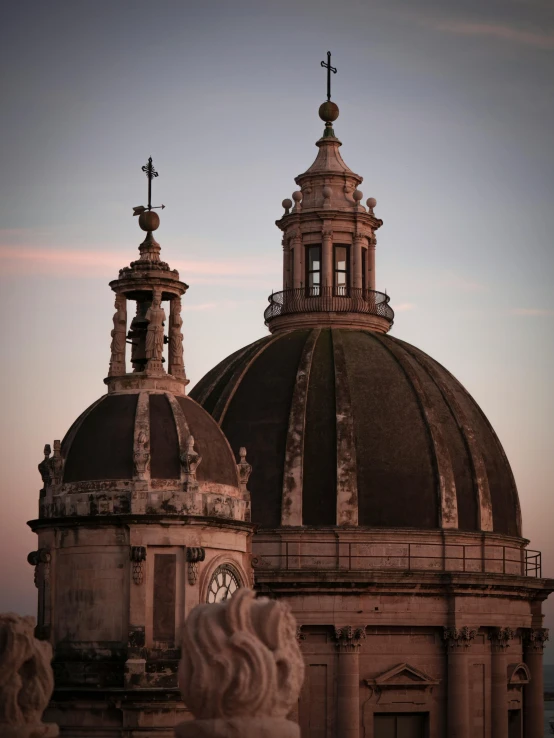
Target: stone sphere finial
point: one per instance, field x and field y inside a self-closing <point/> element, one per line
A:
<point x="328" y="111"/>
<point x="287" y="204"/>
<point x="241" y="668"/>
<point x="149" y="220"/>
<point x="297" y="196"/>
<point x="327" y="192"/>
<point x="357" y="195"/>
<point x="371" y="202"/>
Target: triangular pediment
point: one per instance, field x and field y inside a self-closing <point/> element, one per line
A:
<point x="518" y="674"/>
<point x="404" y="675"/>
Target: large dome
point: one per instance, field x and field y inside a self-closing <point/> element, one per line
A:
<point x="324" y="412"/>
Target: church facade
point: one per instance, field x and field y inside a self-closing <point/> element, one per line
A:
<point x="385" y="510"/>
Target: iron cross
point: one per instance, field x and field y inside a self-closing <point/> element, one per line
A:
<point x="150" y="173"/>
<point x="329" y="69"/>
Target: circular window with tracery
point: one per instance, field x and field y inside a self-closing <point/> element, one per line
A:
<point x="224" y="583"/>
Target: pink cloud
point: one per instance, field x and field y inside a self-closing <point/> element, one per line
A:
<point x="506" y="33"/>
<point x="22" y="260"/>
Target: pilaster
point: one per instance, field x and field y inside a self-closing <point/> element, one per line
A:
<point x="533" y="702"/>
<point x="500" y="640"/>
<point x="348" y="642"/>
<point x="458" y="642"/>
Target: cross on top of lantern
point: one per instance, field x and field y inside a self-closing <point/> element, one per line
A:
<point x="329" y="111"/>
<point x="148" y="221"/>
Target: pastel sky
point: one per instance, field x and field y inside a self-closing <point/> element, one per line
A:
<point x="447" y="111"/>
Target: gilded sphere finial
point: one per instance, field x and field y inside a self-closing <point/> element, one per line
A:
<point x="149" y="220"/>
<point x="328" y="111"/>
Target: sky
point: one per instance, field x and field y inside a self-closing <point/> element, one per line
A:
<point x="446" y="110"/>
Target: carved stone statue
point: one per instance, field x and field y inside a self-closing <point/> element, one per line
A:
<point x="44" y="466"/>
<point x="155" y="315"/>
<point x="119" y="333"/>
<point x="241" y="670"/>
<point x="176" y="365"/>
<point x="141" y="455"/>
<point x="26" y="680"/>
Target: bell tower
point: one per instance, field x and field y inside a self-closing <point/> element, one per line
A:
<point x="143" y="514"/>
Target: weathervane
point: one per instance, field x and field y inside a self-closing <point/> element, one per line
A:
<point x="150" y="172"/>
<point x="329" y="69"/>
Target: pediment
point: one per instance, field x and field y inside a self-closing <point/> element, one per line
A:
<point x="518" y="674"/>
<point x="403" y="676"/>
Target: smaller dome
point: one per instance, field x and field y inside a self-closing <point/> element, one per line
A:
<point x="100" y="444"/>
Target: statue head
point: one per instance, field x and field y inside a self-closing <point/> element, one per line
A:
<point x="240" y="658"/>
<point x="26" y="679"/>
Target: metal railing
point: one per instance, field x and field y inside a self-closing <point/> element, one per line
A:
<point x="397" y="556"/>
<point x="327" y="299"/>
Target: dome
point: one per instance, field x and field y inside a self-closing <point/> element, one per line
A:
<point x="100" y="444"/>
<point x="333" y="414"/>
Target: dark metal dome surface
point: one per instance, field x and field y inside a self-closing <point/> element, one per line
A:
<point x="99" y="444"/>
<point x="322" y="410"/>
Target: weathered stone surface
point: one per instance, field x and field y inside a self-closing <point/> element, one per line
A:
<point x="26" y="680"/>
<point x="241" y="670"/>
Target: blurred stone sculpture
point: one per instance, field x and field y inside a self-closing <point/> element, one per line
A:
<point x="176" y="365"/>
<point x="119" y="337"/>
<point x="155" y="315"/>
<point x="241" y="669"/>
<point x="26" y="680"/>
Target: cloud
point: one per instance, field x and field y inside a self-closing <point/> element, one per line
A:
<point x="403" y="307"/>
<point x="27" y="260"/>
<point x="532" y="312"/>
<point x="536" y="39"/>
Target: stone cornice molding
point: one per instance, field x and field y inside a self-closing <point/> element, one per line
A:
<point x="534" y="639"/>
<point x="349" y="639"/>
<point x="459" y="639"/>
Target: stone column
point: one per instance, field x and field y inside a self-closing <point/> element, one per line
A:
<point x="458" y="641"/>
<point x="348" y="680"/>
<point x="327" y="259"/>
<point x="357" y="261"/>
<point x="371" y="264"/>
<point x="119" y="337"/>
<point x="533" y="698"/>
<point x="286" y="263"/>
<point x="176" y="366"/>
<point x="499" y="638"/>
<point x="298" y="277"/>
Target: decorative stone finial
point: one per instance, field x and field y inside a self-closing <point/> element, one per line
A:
<point x="56" y="463"/>
<point x="190" y="461"/>
<point x="371" y="202"/>
<point x="245" y="469"/>
<point x="297" y="196"/>
<point x="357" y="195"/>
<point x="26" y="680"/>
<point x="241" y="670"/>
<point x="287" y="204"/>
